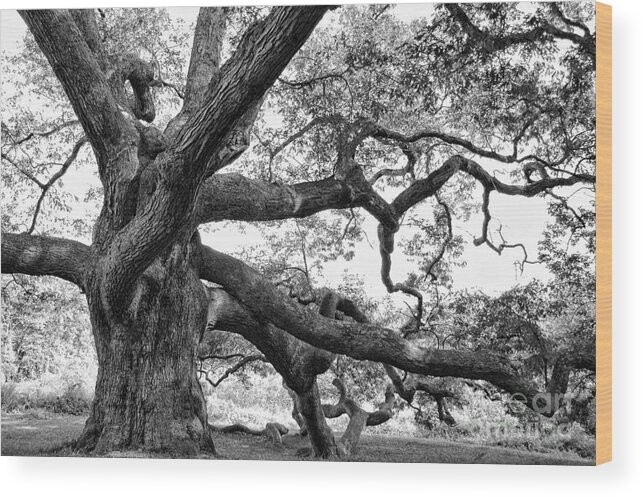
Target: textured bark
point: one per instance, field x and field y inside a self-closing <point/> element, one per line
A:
<point x="147" y="396"/>
<point x="232" y="196"/>
<point x="321" y="436"/>
<point x="308" y="402"/>
<point x="296" y="412"/>
<point x="204" y="64"/>
<point x="264" y="52"/>
<point x="84" y="83"/>
<point x="251" y="70"/>
<point x="85" y="20"/>
<point x="45" y="256"/>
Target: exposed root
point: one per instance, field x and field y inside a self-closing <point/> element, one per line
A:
<point x="274" y="431"/>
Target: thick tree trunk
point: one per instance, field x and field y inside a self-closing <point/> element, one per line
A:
<point x="296" y="411"/>
<point x="321" y="436"/>
<point x="147" y="395"/>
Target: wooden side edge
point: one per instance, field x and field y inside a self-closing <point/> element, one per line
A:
<point x="603" y="233"/>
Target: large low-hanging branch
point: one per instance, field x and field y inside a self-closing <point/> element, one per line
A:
<point x="357" y="340"/>
<point x="67" y="259"/>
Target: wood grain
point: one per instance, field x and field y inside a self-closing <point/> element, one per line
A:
<point x="604" y="233"/>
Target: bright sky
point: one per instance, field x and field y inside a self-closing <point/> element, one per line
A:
<point x="523" y="219"/>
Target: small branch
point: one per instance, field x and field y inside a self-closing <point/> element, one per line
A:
<point x="565" y="204"/>
<point x="164" y="84"/>
<point x="57" y="175"/>
<point x="318" y="121"/>
<point x="242" y="363"/>
<point x="484" y="237"/>
<point x="314" y="80"/>
<point x="445" y="242"/>
<point x="377" y="131"/>
<point x="221" y="357"/>
<point x="387" y="244"/>
<point x="347" y="227"/>
<point x="555" y="7"/>
<point x="496" y="43"/>
<point x="43" y="134"/>
<point x="408" y="169"/>
<point x="27" y="174"/>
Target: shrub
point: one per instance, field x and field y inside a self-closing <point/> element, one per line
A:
<point x="53" y="393"/>
<point x="12" y="398"/>
<point x="72" y="401"/>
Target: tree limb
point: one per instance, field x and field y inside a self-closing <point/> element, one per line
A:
<point x="205" y="60"/>
<point x="56" y="176"/>
<point x="42" y="134"/>
<point x="45" y="256"/>
<point x="427" y="187"/>
<point x="264" y="52"/>
<point x="232" y="196"/>
<point x="261" y="56"/>
<point x="360" y="341"/>
<point x="358" y="417"/>
<point x="274" y="431"/>
<point x="83" y="80"/>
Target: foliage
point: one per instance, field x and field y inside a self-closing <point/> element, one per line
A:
<point x="48" y="357"/>
<point x="45" y="330"/>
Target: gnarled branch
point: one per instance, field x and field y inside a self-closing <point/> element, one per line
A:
<point x="495" y="43"/>
<point x="360" y="341"/>
<point x="359" y="418"/>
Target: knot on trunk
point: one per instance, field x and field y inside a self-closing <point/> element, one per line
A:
<point x="140" y="74"/>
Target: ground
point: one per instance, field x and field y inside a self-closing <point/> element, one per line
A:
<point x="45" y="434"/>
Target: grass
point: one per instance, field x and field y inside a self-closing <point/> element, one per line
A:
<point x="38" y="433"/>
<point x="46" y="434"/>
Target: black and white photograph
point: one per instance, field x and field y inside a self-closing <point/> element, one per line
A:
<point x="347" y="233"/>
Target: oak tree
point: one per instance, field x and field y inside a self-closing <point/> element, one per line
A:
<point x="469" y="87"/>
